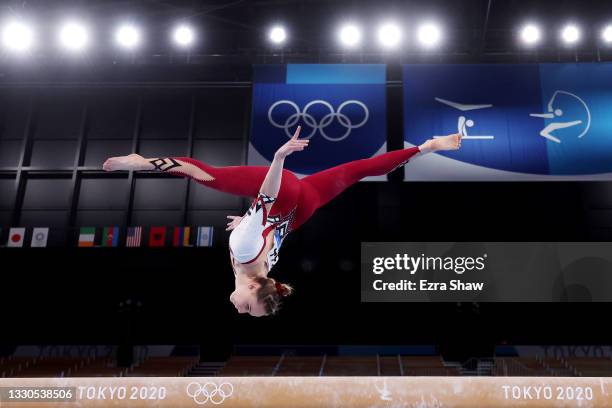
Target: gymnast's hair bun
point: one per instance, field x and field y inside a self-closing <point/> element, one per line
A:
<point x="283" y="290"/>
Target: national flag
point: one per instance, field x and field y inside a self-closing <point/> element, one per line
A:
<point x="87" y="237"/>
<point x="205" y="236"/>
<point x="39" y="237"/>
<point x="181" y="236"/>
<point x="157" y="237"/>
<point x="110" y="237"/>
<point x="15" y="237"/>
<point x="133" y="237"/>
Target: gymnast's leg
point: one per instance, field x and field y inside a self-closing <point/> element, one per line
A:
<point x="238" y="180"/>
<point x="321" y="187"/>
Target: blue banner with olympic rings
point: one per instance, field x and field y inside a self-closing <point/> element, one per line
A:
<point x="341" y="108"/>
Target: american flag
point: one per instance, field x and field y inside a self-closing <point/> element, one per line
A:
<point x="133" y="237"/>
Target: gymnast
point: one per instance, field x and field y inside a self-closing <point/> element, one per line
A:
<point x="282" y="203"/>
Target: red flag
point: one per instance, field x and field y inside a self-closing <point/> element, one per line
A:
<point x="181" y="236"/>
<point x="157" y="237"/>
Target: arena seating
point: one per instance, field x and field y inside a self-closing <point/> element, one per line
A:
<point x="250" y="366"/>
<point x="425" y="365"/>
<point x="390" y="365"/>
<point x="519" y="366"/>
<point x="558" y="367"/>
<point x="101" y="367"/>
<point x="163" y="367"/>
<point x="590" y="366"/>
<point x="289" y="365"/>
<point x="300" y="366"/>
<point x="47" y="367"/>
<point x="94" y="367"/>
<point x="337" y="366"/>
<point x="539" y="366"/>
<point x="11" y="365"/>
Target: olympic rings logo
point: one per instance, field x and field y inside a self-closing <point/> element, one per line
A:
<point x="216" y="394"/>
<point x="325" y="121"/>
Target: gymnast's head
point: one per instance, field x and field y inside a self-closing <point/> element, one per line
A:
<point x="259" y="296"/>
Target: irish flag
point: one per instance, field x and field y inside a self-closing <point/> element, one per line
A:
<point x="87" y="237"/>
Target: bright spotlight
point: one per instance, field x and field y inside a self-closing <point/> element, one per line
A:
<point x="277" y="35"/>
<point x="389" y="35"/>
<point x="17" y="37"/>
<point x="429" y="35"/>
<point x="128" y="36"/>
<point x="183" y="36"/>
<point x="73" y="36"/>
<point x="530" y="34"/>
<point x="570" y="34"/>
<point x="350" y="35"/>
<point x="606" y="34"/>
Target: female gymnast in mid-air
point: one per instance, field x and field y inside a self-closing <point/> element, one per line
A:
<point x="282" y="203"/>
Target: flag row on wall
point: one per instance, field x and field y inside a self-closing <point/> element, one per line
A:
<point x="112" y="237"/>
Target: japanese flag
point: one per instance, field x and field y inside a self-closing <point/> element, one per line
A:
<point x="15" y="237"/>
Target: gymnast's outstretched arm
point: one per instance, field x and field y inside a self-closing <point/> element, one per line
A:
<point x="272" y="183"/>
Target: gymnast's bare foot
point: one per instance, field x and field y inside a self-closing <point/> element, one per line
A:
<point x="130" y="162"/>
<point x="450" y="142"/>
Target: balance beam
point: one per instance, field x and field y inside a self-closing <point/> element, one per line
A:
<point x="302" y="392"/>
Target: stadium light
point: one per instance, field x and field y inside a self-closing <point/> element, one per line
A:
<point x="277" y="35"/>
<point x="570" y="34"/>
<point x="183" y="36"/>
<point x="389" y="35"/>
<point x="128" y="36"/>
<point x="429" y="35"/>
<point x="17" y="37"/>
<point x="74" y="36"/>
<point x="530" y="34"/>
<point x="349" y="35"/>
<point x="606" y="34"/>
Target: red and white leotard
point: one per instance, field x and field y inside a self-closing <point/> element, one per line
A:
<point x="248" y="240"/>
<point x="296" y="201"/>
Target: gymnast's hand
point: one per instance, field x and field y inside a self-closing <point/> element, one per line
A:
<point x="293" y="145"/>
<point x="235" y="220"/>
